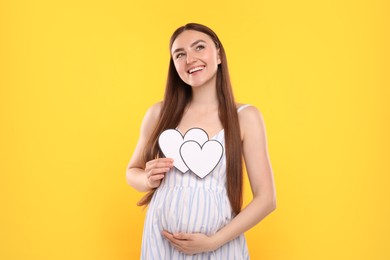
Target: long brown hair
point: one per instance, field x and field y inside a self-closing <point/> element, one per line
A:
<point x="178" y="94"/>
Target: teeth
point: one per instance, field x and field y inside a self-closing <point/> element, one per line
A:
<point x="195" y="69"/>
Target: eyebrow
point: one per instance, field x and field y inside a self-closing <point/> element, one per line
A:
<point x="192" y="45"/>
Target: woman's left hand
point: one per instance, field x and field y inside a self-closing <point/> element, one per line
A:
<point x="190" y="243"/>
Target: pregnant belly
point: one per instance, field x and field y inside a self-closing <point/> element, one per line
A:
<point x="191" y="210"/>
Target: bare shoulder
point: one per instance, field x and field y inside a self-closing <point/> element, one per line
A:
<point x="249" y="112"/>
<point x="151" y="118"/>
<point x="154" y="110"/>
<point x="251" y="120"/>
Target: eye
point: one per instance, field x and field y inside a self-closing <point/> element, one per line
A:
<point x="199" y="47"/>
<point x="179" y="55"/>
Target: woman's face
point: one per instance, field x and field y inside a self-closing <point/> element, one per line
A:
<point x="196" y="57"/>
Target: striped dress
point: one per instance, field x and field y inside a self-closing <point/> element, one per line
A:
<point x="186" y="203"/>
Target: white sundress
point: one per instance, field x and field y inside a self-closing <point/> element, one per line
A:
<point x="186" y="203"/>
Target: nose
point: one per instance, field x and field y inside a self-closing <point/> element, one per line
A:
<point x="190" y="57"/>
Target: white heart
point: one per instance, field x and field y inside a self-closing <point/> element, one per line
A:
<point x="201" y="159"/>
<point x="171" y="140"/>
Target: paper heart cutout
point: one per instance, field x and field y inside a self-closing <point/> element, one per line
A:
<point x="201" y="159"/>
<point x="171" y="140"/>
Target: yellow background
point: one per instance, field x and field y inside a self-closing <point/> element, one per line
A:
<point x="78" y="76"/>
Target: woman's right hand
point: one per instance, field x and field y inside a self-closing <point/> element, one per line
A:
<point x="155" y="171"/>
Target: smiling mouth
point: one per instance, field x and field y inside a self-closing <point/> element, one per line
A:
<point x="195" y="69"/>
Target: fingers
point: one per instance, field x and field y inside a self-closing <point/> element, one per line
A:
<point x="158" y="171"/>
<point x="159" y="160"/>
<point x="159" y="163"/>
<point x="155" y="170"/>
<point x="181" y="244"/>
<point x="183" y="236"/>
<point x="179" y="236"/>
<point x="175" y="242"/>
<point x="154" y="178"/>
<point x="167" y="234"/>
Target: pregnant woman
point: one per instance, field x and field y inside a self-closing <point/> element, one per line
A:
<point x="192" y="215"/>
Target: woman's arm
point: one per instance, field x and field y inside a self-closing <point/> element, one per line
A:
<point x="260" y="175"/>
<point x="138" y="175"/>
<point x="261" y="180"/>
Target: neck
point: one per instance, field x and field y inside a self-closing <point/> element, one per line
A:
<point x="205" y="97"/>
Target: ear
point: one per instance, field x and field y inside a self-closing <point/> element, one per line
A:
<point x="219" y="55"/>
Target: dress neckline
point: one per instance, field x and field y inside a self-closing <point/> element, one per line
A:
<point x="213" y="137"/>
<point x="220" y="131"/>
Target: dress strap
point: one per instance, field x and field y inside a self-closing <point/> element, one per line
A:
<point x="243" y="107"/>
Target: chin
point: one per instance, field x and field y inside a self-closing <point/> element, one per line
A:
<point x="199" y="83"/>
<point x="196" y="85"/>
